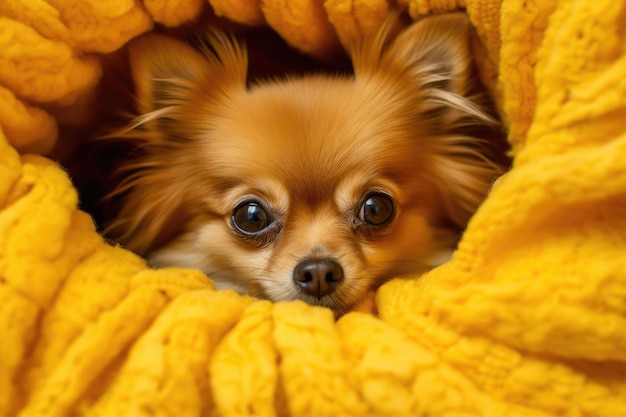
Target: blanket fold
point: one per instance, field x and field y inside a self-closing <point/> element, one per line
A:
<point x="527" y="319"/>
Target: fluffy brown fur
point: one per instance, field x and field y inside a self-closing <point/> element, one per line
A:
<point x="317" y="188"/>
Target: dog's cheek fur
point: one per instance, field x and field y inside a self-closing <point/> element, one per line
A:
<point x="414" y="246"/>
<point x="211" y="245"/>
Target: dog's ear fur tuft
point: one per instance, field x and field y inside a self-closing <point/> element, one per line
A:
<point x="433" y="51"/>
<point x="167" y="71"/>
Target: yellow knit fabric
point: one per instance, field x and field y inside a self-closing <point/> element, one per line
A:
<point x="527" y="319"/>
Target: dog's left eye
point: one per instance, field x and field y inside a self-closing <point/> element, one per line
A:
<point x="250" y="218"/>
<point x="376" y="209"/>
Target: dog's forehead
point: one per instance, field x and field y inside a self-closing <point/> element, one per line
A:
<point x="313" y="133"/>
<point x="315" y="123"/>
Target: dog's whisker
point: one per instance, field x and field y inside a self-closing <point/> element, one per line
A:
<point x="231" y="268"/>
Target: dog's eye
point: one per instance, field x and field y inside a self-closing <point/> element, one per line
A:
<point x="377" y="209"/>
<point x="250" y="218"/>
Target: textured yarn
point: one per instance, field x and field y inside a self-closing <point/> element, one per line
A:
<point x="527" y="319"/>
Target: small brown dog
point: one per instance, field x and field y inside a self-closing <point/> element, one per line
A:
<point x="318" y="187"/>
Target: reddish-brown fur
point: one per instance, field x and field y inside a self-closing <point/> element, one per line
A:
<point x="310" y="148"/>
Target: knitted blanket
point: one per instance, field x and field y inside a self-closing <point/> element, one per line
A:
<point x="527" y="319"/>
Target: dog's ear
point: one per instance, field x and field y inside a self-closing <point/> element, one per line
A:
<point x="431" y="61"/>
<point x="434" y="52"/>
<point x="167" y="72"/>
<point x="437" y="51"/>
<point x="177" y="86"/>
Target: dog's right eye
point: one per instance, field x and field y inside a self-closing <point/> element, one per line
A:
<point x="251" y="218"/>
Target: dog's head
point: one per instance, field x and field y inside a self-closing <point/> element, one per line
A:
<point x="316" y="188"/>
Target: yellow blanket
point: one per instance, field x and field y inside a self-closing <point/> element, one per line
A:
<point x="528" y="318"/>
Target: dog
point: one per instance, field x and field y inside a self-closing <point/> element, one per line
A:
<point x="318" y="187"/>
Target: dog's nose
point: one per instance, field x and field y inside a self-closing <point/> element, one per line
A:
<point x="318" y="276"/>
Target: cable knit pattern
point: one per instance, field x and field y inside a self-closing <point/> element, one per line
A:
<point x="527" y="319"/>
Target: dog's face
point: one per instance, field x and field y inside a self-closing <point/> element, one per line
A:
<point x="317" y="188"/>
<point x="311" y="189"/>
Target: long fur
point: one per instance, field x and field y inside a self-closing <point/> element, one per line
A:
<point x="166" y="83"/>
<point x="419" y="95"/>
